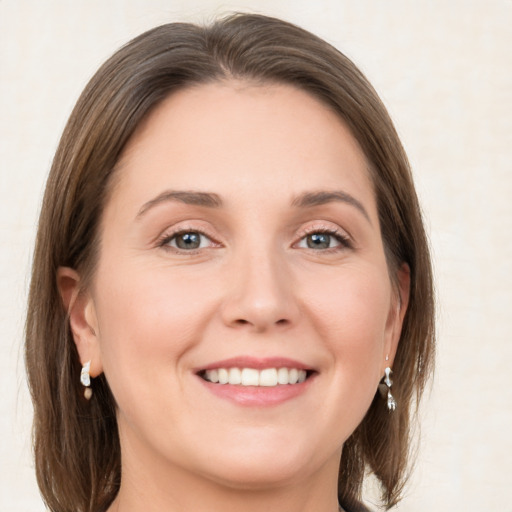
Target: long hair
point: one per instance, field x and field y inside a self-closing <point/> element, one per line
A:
<point x="76" y="443"/>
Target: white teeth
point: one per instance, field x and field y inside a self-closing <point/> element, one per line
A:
<point x="282" y="376"/>
<point x="268" y="377"/>
<point x="250" y="377"/>
<point x="212" y="375"/>
<point x="235" y="376"/>
<point x="223" y="376"/>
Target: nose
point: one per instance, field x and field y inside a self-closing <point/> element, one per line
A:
<point x="260" y="294"/>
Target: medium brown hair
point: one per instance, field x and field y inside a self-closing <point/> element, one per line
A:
<point x="76" y="443"/>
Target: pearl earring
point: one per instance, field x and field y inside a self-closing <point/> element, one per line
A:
<point x="85" y="379"/>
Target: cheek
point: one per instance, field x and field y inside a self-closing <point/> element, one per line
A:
<point x="351" y="314"/>
<point x="146" y="320"/>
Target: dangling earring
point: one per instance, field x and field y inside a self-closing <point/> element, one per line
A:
<point x="85" y="379"/>
<point x="385" y="389"/>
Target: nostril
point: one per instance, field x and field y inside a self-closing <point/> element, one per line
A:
<point x="240" y="322"/>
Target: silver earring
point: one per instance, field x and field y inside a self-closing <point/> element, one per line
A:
<point x="85" y="379"/>
<point x="385" y="389"/>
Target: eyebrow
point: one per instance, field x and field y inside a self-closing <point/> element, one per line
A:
<point x="311" y="199"/>
<point x="207" y="199"/>
<point x="212" y="200"/>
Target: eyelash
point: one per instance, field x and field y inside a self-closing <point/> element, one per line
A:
<point x="344" y="240"/>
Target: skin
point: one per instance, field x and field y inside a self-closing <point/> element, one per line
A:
<point x="156" y="313"/>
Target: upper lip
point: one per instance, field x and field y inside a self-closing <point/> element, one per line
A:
<point x="256" y="363"/>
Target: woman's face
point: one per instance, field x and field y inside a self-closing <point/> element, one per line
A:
<point x="241" y="242"/>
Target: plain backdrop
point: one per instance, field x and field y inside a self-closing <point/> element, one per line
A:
<point x="444" y="70"/>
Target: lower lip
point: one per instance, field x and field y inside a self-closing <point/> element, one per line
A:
<point x="258" y="396"/>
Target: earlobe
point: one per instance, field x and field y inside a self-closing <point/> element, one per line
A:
<point x="82" y="318"/>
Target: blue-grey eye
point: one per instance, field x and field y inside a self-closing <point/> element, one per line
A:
<point x="319" y="241"/>
<point x="188" y="241"/>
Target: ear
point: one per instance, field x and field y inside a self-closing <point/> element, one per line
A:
<point x="82" y="318"/>
<point x="396" y="315"/>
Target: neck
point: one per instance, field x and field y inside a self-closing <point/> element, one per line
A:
<point x="223" y="500"/>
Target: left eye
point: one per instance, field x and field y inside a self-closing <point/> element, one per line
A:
<point x="319" y="241"/>
<point x="187" y="241"/>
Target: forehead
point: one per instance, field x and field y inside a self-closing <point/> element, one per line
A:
<point x="235" y="136"/>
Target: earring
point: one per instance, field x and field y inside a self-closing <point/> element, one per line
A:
<point x="85" y="379"/>
<point x="385" y="389"/>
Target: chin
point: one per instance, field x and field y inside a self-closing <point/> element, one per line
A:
<point x="263" y="466"/>
<point x="251" y="476"/>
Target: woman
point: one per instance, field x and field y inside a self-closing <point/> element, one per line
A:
<point x="230" y="261"/>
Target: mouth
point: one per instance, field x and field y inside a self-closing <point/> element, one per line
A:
<point x="250" y="381"/>
<point x="266" y="377"/>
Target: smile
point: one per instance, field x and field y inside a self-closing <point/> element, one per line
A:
<point x="266" y="377"/>
<point x="257" y="382"/>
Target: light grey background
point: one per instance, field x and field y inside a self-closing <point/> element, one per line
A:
<point x="443" y="68"/>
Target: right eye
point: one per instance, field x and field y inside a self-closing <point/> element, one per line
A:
<point x="187" y="241"/>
